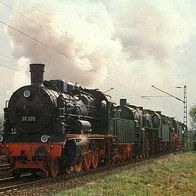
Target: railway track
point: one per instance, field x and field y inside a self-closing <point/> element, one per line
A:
<point x="32" y="182"/>
<point x="18" y="185"/>
<point x="4" y="170"/>
<point x="2" y="158"/>
<point x="12" y="179"/>
<point x="4" y="167"/>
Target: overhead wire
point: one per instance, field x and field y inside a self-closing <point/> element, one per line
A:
<point x="10" y="7"/>
<point x="7" y="66"/>
<point x="8" y="57"/>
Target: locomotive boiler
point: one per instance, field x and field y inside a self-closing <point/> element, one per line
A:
<point x="55" y="127"/>
<point x="53" y="106"/>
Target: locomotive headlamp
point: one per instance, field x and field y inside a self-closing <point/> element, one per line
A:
<point x="1" y="138"/>
<point x="27" y="93"/>
<point x="45" y="138"/>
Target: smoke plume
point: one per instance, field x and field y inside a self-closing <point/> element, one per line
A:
<point x="74" y="44"/>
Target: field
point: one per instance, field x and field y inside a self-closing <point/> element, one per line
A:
<point x="171" y="175"/>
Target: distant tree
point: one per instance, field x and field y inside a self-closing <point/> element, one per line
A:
<point x="192" y="114"/>
<point x="192" y="130"/>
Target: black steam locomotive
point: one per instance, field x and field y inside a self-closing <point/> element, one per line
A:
<point x="54" y="126"/>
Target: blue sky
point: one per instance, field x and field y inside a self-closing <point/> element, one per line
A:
<point x="129" y="45"/>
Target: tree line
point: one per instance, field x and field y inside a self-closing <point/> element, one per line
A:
<point x="192" y="129"/>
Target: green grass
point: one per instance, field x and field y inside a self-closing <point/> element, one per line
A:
<point x="172" y="175"/>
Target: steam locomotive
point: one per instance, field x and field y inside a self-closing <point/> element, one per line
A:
<point x="56" y="127"/>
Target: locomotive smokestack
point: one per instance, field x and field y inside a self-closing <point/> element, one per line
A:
<point x="123" y="102"/>
<point x="37" y="73"/>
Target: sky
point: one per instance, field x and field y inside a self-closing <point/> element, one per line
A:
<point x="127" y="45"/>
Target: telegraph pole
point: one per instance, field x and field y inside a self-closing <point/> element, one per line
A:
<point x="185" y="104"/>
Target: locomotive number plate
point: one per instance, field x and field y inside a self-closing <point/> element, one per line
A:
<point x="28" y="119"/>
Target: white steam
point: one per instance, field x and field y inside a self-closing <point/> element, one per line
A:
<point x="77" y="45"/>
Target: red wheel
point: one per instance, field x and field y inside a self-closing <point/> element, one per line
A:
<point x="68" y="170"/>
<point x="87" y="161"/>
<point x="54" y="168"/>
<point x="95" y="159"/>
<point x="78" y="167"/>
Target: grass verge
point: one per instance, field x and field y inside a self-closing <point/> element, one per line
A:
<point x="172" y="175"/>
